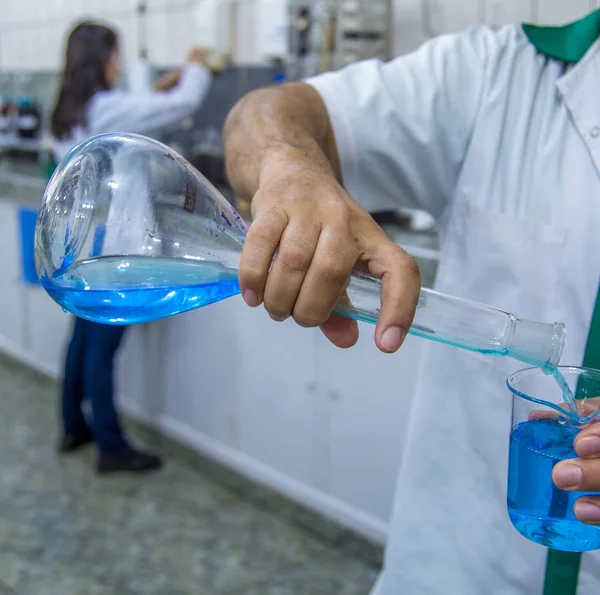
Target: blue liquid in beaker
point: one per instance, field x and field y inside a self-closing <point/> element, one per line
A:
<point x="538" y="509"/>
<point x="134" y="289"/>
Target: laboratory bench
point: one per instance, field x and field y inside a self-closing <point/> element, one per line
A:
<point x="275" y="402"/>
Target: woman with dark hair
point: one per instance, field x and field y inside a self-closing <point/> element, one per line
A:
<point x="89" y="104"/>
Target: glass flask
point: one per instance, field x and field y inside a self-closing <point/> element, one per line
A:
<point x="128" y="232"/>
<point x="542" y="434"/>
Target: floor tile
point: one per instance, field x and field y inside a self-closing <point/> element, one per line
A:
<point x="327" y="576"/>
<point x="223" y="550"/>
<point x="22" y="576"/>
<point x="191" y="529"/>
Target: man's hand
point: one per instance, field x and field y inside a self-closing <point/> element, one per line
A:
<point x="320" y="233"/>
<point x="308" y="233"/>
<point x="583" y="474"/>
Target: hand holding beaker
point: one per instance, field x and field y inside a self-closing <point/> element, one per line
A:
<point x="546" y="438"/>
<point x="583" y="474"/>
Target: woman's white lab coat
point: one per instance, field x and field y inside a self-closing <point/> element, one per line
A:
<point x="117" y="110"/>
<point x="502" y="144"/>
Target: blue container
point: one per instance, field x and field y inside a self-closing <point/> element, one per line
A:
<point x="27" y="219"/>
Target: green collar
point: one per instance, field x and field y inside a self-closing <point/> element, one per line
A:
<point x="569" y="43"/>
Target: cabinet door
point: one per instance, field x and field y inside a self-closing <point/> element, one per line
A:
<point x="277" y="393"/>
<point x="140" y="371"/>
<point x="369" y="395"/>
<point x="201" y="372"/>
<point x="48" y="329"/>
<point x="11" y="302"/>
<point x="234" y="378"/>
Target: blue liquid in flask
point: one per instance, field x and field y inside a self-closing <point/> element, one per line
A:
<point x="538" y="509"/>
<point x="135" y="289"/>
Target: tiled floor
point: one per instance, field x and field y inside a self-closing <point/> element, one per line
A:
<point x="190" y="529"/>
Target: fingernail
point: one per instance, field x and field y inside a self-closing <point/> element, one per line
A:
<point x="588" y="446"/>
<point x="250" y="298"/>
<point x="278" y="318"/>
<point x="567" y="475"/>
<point x="392" y="338"/>
<point x="587" y="512"/>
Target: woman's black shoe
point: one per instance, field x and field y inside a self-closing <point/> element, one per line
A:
<point x="130" y="460"/>
<point x="73" y="442"/>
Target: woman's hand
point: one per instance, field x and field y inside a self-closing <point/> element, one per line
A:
<point x="167" y="81"/>
<point x="196" y="56"/>
<point x="583" y="474"/>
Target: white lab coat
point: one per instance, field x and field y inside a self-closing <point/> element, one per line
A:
<point x="502" y="145"/>
<point x="117" y="110"/>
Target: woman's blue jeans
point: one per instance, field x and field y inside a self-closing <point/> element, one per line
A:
<point x="89" y="374"/>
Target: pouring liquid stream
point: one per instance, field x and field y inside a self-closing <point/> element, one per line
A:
<point x="568" y="395"/>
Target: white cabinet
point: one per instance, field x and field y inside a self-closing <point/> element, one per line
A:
<point x="140" y="371"/>
<point x="9" y="242"/>
<point x="201" y="371"/>
<point x="11" y="295"/>
<point x="32" y="326"/>
<point x="47" y="330"/>
<point x="278" y="405"/>
<point x="369" y="395"/>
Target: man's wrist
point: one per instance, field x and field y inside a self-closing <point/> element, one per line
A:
<point x="286" y="159"/>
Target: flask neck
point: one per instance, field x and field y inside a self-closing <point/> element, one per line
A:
<point x="537" y="343"/>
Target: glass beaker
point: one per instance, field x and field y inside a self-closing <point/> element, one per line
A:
<point x="542" y="435"/>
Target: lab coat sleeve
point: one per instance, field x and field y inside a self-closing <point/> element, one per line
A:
<point x="402" y="128"/>
<point x="119" y="111"/>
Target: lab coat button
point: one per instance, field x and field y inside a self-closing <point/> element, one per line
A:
<point x="595" y="132"/>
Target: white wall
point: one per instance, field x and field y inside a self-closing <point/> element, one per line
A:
<point x="33" y="32"/>
<point x="416" y="20"/>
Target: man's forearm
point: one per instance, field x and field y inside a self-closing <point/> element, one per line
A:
<point x="278" y="127"/>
